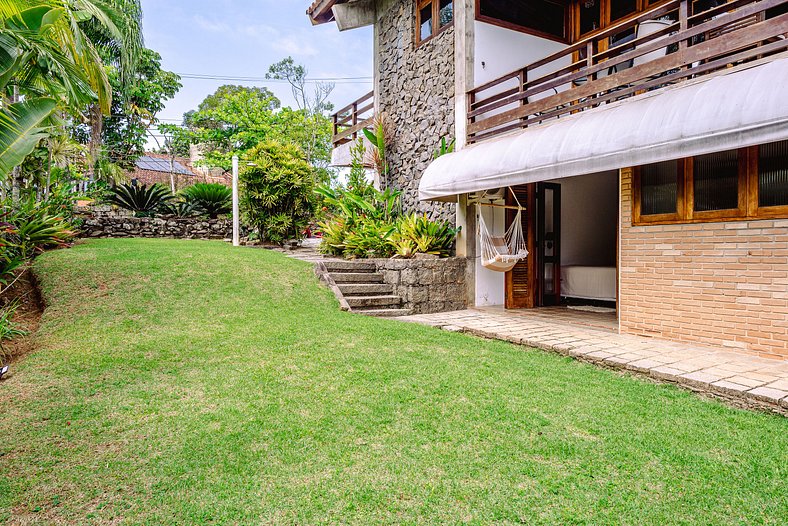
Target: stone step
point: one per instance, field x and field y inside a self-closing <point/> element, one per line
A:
<point x="350" y="266"/>
<point x="365" y="289"/>
<point x="357" y="277"/>
<point x="384" y="313"/>
<point x="372" y="301"/>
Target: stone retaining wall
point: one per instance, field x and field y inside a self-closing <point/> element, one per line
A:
<point x="426" y="285"/>
<point x="105" y="221"/>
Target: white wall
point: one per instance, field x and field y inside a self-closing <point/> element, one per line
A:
<point x="490" y="284"/>
<point x="503" y="50"/>
<point x="589" y="219"/>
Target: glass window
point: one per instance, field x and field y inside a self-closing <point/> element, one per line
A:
<point x="716" y="181"/>
<point x="621" y="8"/>
<point x="659" y="188"/>
<point x="773" y="174"/>
<point x="445" y="12"/>
<point x="590" y="15"/>
<point x="546" y="17"/>
<point x="425" y="22"/>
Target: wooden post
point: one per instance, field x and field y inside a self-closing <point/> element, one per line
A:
<point x="236" y="214"/>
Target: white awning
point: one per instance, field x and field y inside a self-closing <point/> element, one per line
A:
<point x="721" y="112"/>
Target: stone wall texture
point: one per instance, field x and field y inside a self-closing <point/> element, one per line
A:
<point x="416" y="87"/>
<point x="107" y="221"/>
<point x="428" y="285"/>
<point x="723" y="283"/>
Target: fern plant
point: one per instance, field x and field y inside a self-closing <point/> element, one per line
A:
<point x="143" y="200"/>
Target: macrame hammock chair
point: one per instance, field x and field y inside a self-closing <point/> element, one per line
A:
<point x="502" y="253"/>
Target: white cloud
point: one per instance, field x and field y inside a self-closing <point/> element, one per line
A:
<point x="213" y="26"/>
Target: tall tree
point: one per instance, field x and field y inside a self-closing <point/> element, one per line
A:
<point x="314" y="105"/>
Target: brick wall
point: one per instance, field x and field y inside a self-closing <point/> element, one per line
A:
<point x="722" y="283"/>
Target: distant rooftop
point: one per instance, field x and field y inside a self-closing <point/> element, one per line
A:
<point x="156" y="164"/>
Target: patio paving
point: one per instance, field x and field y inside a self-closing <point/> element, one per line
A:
<point x="741" y="379"/>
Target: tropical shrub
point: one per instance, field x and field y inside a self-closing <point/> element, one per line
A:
<point x="182" y="208"/>
<point x="418" y="234"/>
<point x="143" y="200"/>
<point x="212" y="199"/>
<point x="8" y="329"/>
<point x="277" y="191"/>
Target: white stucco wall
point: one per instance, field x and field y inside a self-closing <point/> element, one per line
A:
<point x="589" y="219"/>
<point x="490" y="284"/>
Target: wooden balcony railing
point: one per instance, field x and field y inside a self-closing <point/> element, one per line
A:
<point x="350" y="120"/>
<point x="677" y="46"/>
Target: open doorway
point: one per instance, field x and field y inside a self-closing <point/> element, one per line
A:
<point x="572" y="226"/>
<point x="581" y="218"/>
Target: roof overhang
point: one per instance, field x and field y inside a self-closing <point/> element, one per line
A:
<point x="348" y="14"/>
<point x="731" y="110"/>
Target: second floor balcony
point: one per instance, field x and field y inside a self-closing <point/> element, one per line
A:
<point x="672" y="43"/>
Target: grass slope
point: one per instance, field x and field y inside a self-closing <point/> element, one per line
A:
<point x="184" y="382"/>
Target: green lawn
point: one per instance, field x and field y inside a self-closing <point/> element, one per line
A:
<point x="187" y="382"/>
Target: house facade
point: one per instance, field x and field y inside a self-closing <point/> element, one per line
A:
<point x="646" y="142"/>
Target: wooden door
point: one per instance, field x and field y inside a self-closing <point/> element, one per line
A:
<point x="521" y="282"/>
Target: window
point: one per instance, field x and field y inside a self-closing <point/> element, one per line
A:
<point x="592" y="15"/>
<point x="773" y="174"/>
<point x="716" y="181"/>
<point x="432" y="16"/>
<point x="748" y="183"/>
<point x="545" y="18"/>
<point x="659" y="188"/>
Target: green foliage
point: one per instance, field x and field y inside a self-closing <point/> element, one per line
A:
<point x="182" y="208"/>
<point x="134" y="108"/>
<point x="212" y="199"/>
<point x="8" y="330"/>
<point x="366" y="222"/>
<point x="29" y="228"/>
<point x="235" y="119"/>
<point x="444" y="148"/>
<point x="419" y="234"/>
<point x="141" y="199"/>
<point x="21" y="130"/>
<point x="277" y="191"/>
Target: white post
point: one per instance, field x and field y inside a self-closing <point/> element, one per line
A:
<point x="236" y="215"/>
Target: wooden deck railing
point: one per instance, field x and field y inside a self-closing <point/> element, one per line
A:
<point x="682" y="45"/>
<point x="350" y="120"/>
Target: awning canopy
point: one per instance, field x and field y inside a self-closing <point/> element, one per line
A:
<point x="722" y="112"/>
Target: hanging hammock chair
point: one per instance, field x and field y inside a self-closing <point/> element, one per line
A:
<point x="502" y="253"/>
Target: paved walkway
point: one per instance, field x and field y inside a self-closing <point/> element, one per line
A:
<point x="740" y="378"/>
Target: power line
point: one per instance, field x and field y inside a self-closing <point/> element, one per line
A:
<point x="338" y="80"/>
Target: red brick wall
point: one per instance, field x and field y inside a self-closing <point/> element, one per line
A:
<point x="722" y="283"/>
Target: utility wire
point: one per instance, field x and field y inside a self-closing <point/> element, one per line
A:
<point x="206" y="76"/>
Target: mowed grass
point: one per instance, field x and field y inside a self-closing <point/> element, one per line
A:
<point x="187" y="382"/>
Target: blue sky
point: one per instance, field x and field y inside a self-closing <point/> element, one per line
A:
<point x="241" y="38"/>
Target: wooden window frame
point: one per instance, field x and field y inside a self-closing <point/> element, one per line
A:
<point x="436" y="27"/>
<point x="638" y="218"/>
<point x="527" y="30"/>
<point x="748" y="199"/>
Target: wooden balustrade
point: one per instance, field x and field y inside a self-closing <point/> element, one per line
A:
<point x="591" y="72"/>
<point x="350" y="120"/>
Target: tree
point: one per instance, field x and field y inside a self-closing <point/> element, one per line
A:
<point x="314" y="108"/>
<point x="118" y="41"/>
<point x="230" y="122"/>
<point x="277" y="191"/>
<point x="134" y="108"/>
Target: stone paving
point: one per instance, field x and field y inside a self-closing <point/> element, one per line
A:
<point x="742" y="379"/>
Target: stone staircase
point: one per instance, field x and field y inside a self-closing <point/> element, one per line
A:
<point x="362" y="288"/>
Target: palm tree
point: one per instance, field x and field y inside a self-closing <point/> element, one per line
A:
<point x="51" y="50"/>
